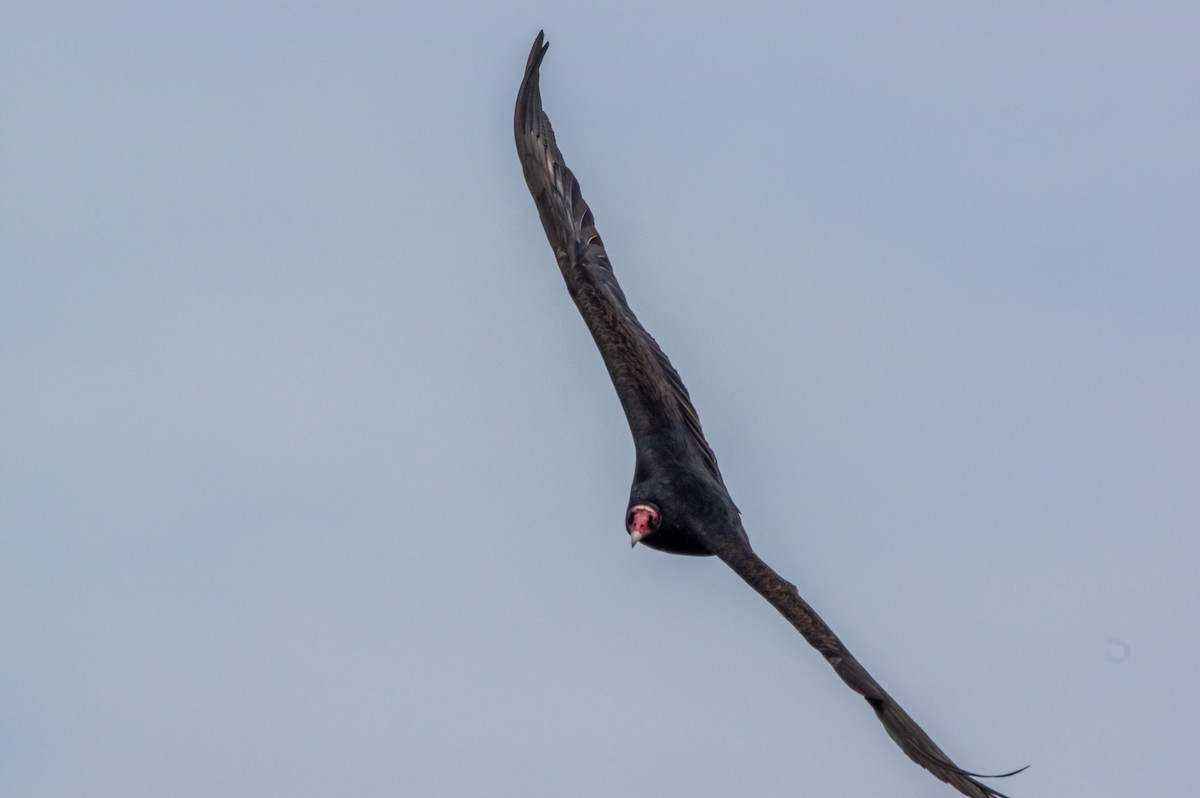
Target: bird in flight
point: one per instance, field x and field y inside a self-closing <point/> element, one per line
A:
<point x="678" y="502"/>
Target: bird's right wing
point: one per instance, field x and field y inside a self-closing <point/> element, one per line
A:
<point x="911" y="738"/>
<point x="650" y="390"/>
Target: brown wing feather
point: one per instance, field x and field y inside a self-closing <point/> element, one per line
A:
<point x="648" y="386"/>
<point x="911" y="738"/>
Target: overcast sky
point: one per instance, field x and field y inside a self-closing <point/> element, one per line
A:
<point x="312" y="482"/>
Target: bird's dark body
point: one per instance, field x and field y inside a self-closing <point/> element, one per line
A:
<point x="694" y="504"/>
<point x="678" y="503"/>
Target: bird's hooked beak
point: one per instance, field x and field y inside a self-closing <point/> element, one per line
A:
<point x="634" y="537"/>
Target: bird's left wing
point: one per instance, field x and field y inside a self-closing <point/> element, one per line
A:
<point x="911" y="738"/>
<point x="651" y="392"/>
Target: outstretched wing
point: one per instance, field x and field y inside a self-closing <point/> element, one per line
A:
<point x="649" y="388"/>
<point x="911" y="738"/>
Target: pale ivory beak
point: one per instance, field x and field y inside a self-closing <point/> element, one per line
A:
<point x="634" y="537"/>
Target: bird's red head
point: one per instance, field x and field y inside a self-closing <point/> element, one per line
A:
<point x="640" y="521"/>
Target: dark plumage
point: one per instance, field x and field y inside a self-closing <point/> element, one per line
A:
<point x="678" y="503"/>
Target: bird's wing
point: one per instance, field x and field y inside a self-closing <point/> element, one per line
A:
<point x="648" y="386"/>
<point x="911" y="738"/>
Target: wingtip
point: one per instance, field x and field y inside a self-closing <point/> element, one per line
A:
<point x="537" y="53"/>
<point x="953" y="768"/>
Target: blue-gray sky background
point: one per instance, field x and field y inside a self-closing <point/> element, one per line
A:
<point x="312" y="482"/>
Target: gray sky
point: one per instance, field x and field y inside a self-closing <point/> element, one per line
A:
<point x="312" y="482"/>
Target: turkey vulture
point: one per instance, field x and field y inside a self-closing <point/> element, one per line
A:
<point x="679" y="503"/>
